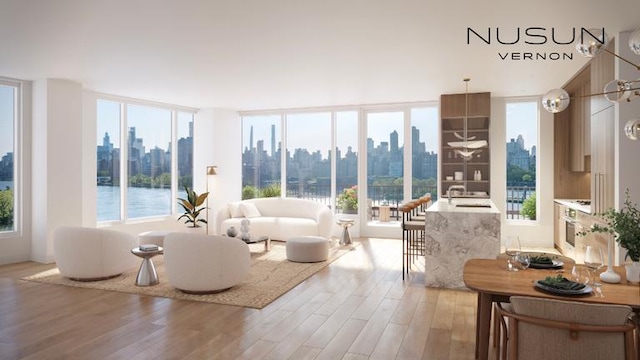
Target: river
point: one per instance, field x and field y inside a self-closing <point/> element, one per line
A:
<point x="143" y="202"/>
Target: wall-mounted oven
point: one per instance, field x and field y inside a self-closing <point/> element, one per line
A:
<point x="571" y="228"/>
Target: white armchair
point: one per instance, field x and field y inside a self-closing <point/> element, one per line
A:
<point x="201" y="264"/>
<point x="90" y="254"/>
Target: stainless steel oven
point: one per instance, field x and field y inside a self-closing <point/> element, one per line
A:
<point x="571" y="226"/>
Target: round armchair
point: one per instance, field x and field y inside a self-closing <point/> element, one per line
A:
<point x="90" y="254"/>
<point x="202" y="264"/>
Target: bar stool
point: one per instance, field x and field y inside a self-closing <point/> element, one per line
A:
<point x="412" y="236"/>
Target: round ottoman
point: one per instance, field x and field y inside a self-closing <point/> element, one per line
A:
<point x="307" y="249"/>
<point x="152" y="237"/>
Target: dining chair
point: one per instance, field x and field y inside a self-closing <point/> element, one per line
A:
<point x="539" y="328"/>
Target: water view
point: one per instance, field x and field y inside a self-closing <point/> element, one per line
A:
<point x="4" y="185"/>
<point x="142" y="202"/>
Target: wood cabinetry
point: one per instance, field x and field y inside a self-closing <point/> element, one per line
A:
<point x="602" y="160"/>
<point x="580" y="113"/>
<point x="602" y="135"/>
<point x="560" y="235"/>
<point x="452" y="115"/>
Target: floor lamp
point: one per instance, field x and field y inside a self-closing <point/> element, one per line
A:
<point x="211" y="170"/>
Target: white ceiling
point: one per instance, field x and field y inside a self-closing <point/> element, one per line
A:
<point x="264" y="54"/>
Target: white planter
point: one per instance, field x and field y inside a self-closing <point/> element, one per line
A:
<point x="633" y="272"/>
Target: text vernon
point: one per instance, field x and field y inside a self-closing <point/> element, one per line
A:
<point x="531" y="36"/>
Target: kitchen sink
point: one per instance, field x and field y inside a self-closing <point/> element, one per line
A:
<point x="474" y="205"/>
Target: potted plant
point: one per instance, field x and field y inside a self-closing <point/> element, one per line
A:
<point x="348" y="200"/>
<point x="624" y="225"/>
<point x="192" y="206"/>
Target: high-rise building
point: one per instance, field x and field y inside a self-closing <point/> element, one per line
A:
<point x="273" y="139"/>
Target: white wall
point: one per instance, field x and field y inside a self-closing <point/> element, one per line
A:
<point x="219" y="143"/>
<point x="57" y="162"/>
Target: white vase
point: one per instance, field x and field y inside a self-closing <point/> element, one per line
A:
<point x="195" y="230"/>
<point x="633" y="272"/>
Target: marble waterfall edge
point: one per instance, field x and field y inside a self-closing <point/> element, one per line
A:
<point x="453" y="237"/>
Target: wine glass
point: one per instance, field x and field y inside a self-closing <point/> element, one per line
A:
<point x="512" y="249"/>
<point x="594" y="260"/>
<point x="524" y="260"/>
<point x="581" y="274"/>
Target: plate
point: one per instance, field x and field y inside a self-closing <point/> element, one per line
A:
<point x="585" y="290"/>
<point x="555" y="264"/>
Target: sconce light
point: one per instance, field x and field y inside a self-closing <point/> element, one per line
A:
<point x="211" y="170"/>
<point x="615" y="91"/>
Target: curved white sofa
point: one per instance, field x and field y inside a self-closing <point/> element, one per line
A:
<point x="201" y="264"/>
<point x="279" y="218"/>
<point x="89" y="254"/>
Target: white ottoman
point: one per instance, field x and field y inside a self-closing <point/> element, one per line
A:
<point x="307" y="249"/>
<point x="152" y="237"/>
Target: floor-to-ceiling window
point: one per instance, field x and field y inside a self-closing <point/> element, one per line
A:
<point x="385" y="159"/>
<point x="108" y="120"/>
<point x="261" y="156"/>
<point x="346" y="159"/>
<point x="521" y="143"/>
<point x="137" y="146"/>
<point x="424" y="151"/>
<point x="9" y="115"/>
<point x="308" y="150"/>
<point x="322" y="160"/>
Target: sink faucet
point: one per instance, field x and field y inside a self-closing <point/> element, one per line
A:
<point x="455" y="187"/>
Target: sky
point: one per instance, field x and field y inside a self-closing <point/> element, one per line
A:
<point x="153" y="125"/>
<point x="522" y="120"/>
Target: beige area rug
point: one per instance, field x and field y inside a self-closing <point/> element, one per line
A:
<point x="271" y="275"/>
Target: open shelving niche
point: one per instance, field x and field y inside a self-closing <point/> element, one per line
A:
<point x="478" y="121"/>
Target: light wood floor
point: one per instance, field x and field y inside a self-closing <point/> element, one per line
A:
<point x="356" y="308"/>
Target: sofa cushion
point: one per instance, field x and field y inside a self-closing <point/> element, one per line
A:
<point x="249" y="210"/>
<point x="234" y="210"/>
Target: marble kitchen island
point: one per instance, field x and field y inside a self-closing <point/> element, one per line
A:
<point x="454" y="233"/>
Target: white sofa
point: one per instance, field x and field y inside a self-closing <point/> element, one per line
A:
<point x="278" y="218"/>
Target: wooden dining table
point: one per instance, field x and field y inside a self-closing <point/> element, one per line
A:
<point x="494" y="283"/>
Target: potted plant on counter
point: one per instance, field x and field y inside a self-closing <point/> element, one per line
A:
<point x="624" y="225"/>
<point x="192" y="207"/>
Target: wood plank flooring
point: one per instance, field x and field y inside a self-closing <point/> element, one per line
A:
<point x="356" y="308"/>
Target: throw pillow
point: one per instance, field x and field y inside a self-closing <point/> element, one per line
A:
<point x="249" y="210"/>
<point x="234" y="210"/>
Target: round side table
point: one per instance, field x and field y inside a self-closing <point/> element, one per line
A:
<point x="147" y="275"/>
<point x="345" y="239"/>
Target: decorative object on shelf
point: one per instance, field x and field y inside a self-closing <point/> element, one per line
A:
<point x="232" y="231"/>
<point x="211" y="170"/>
<point x="245" y="226"/>
<point x="590" y="44"/>
<point x="192" y="207"/>
<point x="624" y="225"/>
<point x="468" y="146"/>
<point x="348" y="200"/>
